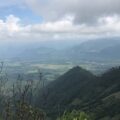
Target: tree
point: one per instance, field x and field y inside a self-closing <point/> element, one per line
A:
<point x="18" y="106"/>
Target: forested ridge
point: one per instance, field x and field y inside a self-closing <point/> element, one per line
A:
<point x="77" y="94"/>
<point x="79" y="89"/>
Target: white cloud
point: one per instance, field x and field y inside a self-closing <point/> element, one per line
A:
<point x="8" y="3"/>
<point x="12" y="29"/>
<point x="85" y="11"/>
<point x="10" y="25"/>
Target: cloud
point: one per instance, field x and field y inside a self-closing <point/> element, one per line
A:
<point x="63" y="19"/>
<point x="84" y="11"/>
<point x="65" y="28"/>
<point x="8" y="3"/>
<point x="10" y="25"/>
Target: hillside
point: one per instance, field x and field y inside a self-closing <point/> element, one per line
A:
<point x="80" y="89"/>
<point x="111" y="52"/>
<point x="100" y="49"/>
<point x="95" y="49"/>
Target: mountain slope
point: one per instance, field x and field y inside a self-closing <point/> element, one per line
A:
<point x="80" y="89"/>
<point x="111" y="52"/>
<point x="75" y="78"/>
<point x="95" y="50"/>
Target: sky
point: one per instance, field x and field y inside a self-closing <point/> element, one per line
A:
<point x="41" y="20"/>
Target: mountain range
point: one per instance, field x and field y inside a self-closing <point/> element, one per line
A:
<point x="102" y="49"/>
<point x="95" y="50"/>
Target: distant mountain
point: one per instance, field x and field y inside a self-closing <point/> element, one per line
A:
<point x="97" y="44"/>
<point x="15" y="49"/>
<point x="80" y="89"/>
<point x="38" y="53"/>
<point x="95" y="50"/>
<point x="111" y="52"/>
<point x="62" y="51"/>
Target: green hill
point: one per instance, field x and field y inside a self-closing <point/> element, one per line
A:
<point x="80" y="89"/>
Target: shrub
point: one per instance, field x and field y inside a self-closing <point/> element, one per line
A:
<point x="74" y="115"/>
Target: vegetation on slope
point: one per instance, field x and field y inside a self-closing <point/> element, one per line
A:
<point x="81" y="90"/>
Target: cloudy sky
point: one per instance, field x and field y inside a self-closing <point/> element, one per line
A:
<point x="28" y="20"/>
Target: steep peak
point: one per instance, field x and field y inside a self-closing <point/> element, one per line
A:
<point x="76" y="75"/>
<point x="78" y="70"/>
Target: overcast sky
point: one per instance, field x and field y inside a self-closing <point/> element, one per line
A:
<point x="28" y="20"/>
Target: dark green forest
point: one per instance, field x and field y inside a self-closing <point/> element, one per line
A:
<point x="76" y="95"/>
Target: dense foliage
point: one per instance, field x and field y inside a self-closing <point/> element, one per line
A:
<point x="79" y="89"/>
